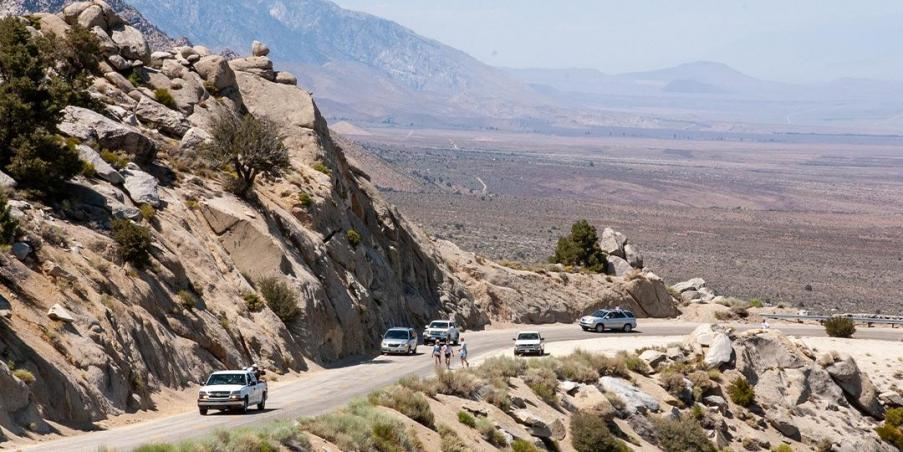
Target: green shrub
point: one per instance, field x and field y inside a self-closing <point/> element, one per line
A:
<point x="254" y="303"/>
<point x="467" y="419"/>
<point x="116" y="159"/>
<point x="741" y="392"/>
<point x="360" y="427"/>
<point x="590" y="433"/>
<point x="427" y="386"/>
<point x="840" y="327"/>
<point x="411" y="404"/>
<point x="890" y="434"/>
<point x="248" y="147"/>
<point x="451" y="442"/>
<point x="280" y="297"/>
<point x="682" y="435"/>
<point x="319" y="166"/>
<point x="187" y="299"/>
<point x="544" y="384"/>
<point x="521" y="445"/>
<point x="782" y="448"/>
<point x="148" y="212"/>
<point x="305" y="199"/>
<point x="163" y="96"/>
<point x="756" y="303"/>
<point x="894" y="416"/>
<point x="354" y="237"/>
<point x="491" y="434"/>
<point x="133" y="242"/>
<point x="459" y="384"/>
<point x="580" y="248"/>
<point x="89" y="170"/>
<point x="634" y="363"/>
<point x="32" y="97"/>
<point x="502" y="366"/>
<point x="9" y="226"/>
<point x="24" y="375"/>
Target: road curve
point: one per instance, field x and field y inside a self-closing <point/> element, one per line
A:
<point x="328" y="389"/>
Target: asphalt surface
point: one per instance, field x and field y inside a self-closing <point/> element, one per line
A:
<point x="328" y="389"/>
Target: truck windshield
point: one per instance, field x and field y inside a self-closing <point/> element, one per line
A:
<point x="227" y="379"/>
<point x="528" y="336"/>
<point x="439" y="325"/>
<point x="396" y="334"/>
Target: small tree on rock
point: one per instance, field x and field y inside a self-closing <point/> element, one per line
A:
<point x="581" y="248"/>
<point x="249" y="146"/>
<point x="9" y="226"/>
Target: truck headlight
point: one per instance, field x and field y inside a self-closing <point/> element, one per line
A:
<point x="202" y="395"/>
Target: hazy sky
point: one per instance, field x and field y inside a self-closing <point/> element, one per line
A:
<point x="787" y="40"/>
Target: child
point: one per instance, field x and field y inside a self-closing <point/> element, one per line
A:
<point x="463" y="354"/>
<point x="436" y="353"/>
<point x="449" y="351"/>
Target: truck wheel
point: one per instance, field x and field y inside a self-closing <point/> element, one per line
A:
<point x="412" y="350"/>
<point x="456" y="340"/>
<point x="244" y="406"/>
<point x="600" y="327"/>
<point x="263" y="402"/>
<point x="627" y="327"/>
<point x="203" y="411"/>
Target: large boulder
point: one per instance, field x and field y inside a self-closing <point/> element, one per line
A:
<point x="719" y="352"/>
<point x="694" y="284"/>
<point x="540" y="427"/>
<point x="215" y="70"/>
<point x="635" y="400"/>
<point x="132" y="44"/>
<point x="6" y="181"/>
<point x="52" y="24"/>
<point x="651" y="293"/>
<point x="141" y="186"/>
<point x="59" y="313"/>
<point x="590" y="399"/>
<point x="286" y="78"/>
<point x="104" y="170"/>
<point x="194" y="140"/>
<point x="613" y="242"/>
<point x="633" y="256"/>
<point x="257" y="65"/>
<point x="291" y="107"/>
<point x="259" y="49"/>
<point x="157" y="115"/>
<point x="17" y="406"/>
<point x="617" y="266"/>
<point x="857" y="386"/>
<point x="89" y="125"/>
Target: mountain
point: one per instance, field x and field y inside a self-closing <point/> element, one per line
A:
<point x="359" y="66"/>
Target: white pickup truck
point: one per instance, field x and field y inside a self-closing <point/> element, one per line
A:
<point x="233" y="390"/>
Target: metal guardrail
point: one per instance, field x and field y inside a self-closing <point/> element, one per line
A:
<point x="858" y="318"/>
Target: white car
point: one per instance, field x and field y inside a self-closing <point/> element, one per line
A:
<point x="529" y="342"/>
<point x="233" y="390"/>
<point x="442" y="331"/>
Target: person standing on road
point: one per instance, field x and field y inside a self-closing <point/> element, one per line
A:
<point x="447" y="351"/>
<point x="437" y="353"/>
<point x="463" y="354"/>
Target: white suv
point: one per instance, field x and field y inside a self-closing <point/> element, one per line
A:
<point x="529" y="342"/>
<point x="442" y="331"/>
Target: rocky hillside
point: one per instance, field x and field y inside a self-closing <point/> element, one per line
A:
<point x="86" y="335"/>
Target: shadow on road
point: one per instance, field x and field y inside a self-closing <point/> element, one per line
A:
<point x="250" y="412"/>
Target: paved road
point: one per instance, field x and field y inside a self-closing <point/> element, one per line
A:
<point x="328" y="389"/>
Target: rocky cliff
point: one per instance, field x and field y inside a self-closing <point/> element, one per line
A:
<point x="100" y="337"/>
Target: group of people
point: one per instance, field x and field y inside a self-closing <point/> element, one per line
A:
<point x="443" y="352"/>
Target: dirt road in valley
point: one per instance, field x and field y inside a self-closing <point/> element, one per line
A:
<point x="326" y="390"/>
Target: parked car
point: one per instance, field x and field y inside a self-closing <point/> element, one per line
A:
<point x="609" y="319"/>
<point x="441" y="330"/>
<point x="529" y="342"/>
<point x="399" y="340"/>
<point x="233" y="390"/>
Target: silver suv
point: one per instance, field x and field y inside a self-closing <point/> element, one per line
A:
<point x="609" y="319"/>
<point x="399" y="340"/>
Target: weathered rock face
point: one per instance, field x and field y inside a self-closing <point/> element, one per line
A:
<point x="521" y="296"/>
<point x="858" y="388"/>
<point x="109" y="134"/>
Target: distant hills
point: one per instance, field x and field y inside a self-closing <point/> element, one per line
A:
<point x="374" y="72"/>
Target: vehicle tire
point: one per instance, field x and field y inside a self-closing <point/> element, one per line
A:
<point x="244" y="406"/>
<point x="456" y="340"/>
<point x="263" y="403"/>
<point x="412" y="350"/>
<point x="584" y="328"/>
<point x="203" y="411"/>
<point x="600" y="327"/>
<point x="628" y="327"/>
